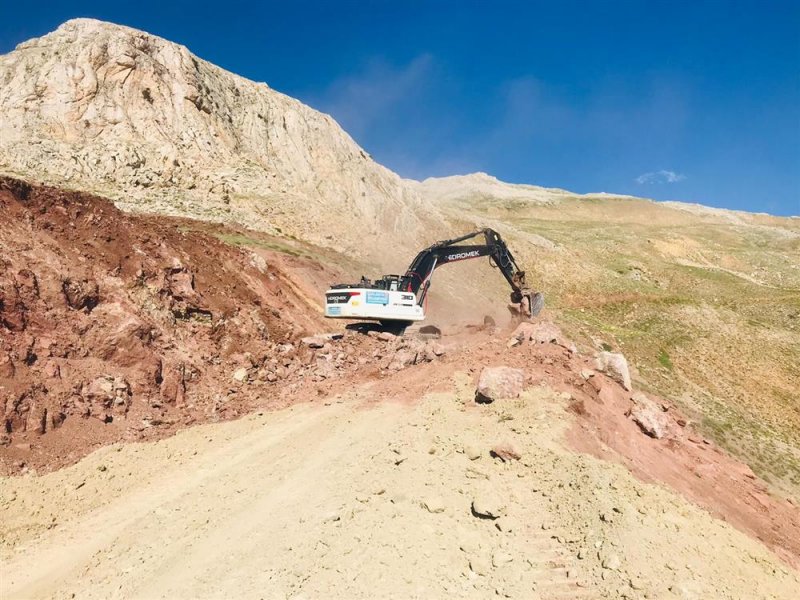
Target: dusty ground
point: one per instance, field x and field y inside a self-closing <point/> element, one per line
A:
<point x="368" y="490"/>
<point x="346" y="497"/>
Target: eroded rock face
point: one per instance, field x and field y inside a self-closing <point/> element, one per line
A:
<point x="108" y="108"/>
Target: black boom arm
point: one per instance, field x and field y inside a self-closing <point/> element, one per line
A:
<point x="418" y="276"/>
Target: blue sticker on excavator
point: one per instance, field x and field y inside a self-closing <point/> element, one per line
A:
<point x="377" y="298"/>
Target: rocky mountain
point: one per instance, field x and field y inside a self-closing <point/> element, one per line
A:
<point x="110" y="109"/>
<point x="481" y="186"/>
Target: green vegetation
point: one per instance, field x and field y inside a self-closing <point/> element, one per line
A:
<point x="664" y="359"/>
<point x="706" y="311"/>
<point x="238" y="239"/>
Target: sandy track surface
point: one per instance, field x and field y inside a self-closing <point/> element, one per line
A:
<point x="346" y="498"/>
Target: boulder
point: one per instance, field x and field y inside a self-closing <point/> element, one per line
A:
<point x="541" y="333"/>
<point x="614" y="365"/>
<point x="649" y="416"/>
<point x="499" y="382"/>
<point x="505" y="452"/>
<point x="488" y="506"/>
<point x="101" y="388"/>
<point x="402" y="359"/>
<point x="81" y="294"/>
<point x="313" y="341"/>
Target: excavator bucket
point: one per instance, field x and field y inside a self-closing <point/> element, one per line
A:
<point x="528" y="305"/>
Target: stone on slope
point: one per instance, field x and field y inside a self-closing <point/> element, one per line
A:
<point x="472" y="451"/>
<point x="540" y="333"/>
<point x="506" y="452"/>
<point x="649" y="416"/>
<point x="433" y="504"/>
<point x="615" y="365"/>
<point x="499" y="382"/>
<point x="314" y="341"/>
<point x="488" y="505"/>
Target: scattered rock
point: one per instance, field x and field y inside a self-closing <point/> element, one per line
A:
<point x="505" y="452"/>
<point x="7" y="369"/>
<point x="500" y="558"/>
<point x="101" y="387"/>
<point x="612" y="562"/>
<point x="616" y="366"/>
<point x="472" y="451"/>
<point x="607" y="517"/>
<point x="649" y="416"/>
<point x="386" y="336"/>
<point x="433" y="504"/>
<point x="469" y="542"/>
<point x="331" y="516"/>
<point x="636" y="583"/>
<point x="240" y="375"/>
<point x="81" y="294"/>
<point x="480" y="565"/>
<point x="507" y="524"/>
<point x="487" y="506"/>
<point x="499" y="382"/>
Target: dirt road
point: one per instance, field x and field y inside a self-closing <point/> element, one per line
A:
<point x="345" y="498"/>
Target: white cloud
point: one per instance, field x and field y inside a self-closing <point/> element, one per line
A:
<point x="362" y="100"/>
<point x="662" y="176"/>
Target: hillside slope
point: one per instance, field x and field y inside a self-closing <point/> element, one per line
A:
<point x="704" y="302"/>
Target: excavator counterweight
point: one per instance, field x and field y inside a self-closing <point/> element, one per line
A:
<point x="400" y="299"/>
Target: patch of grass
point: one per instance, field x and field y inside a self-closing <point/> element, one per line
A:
<point x="664" y="359"/>
<point x="238" y="239"/>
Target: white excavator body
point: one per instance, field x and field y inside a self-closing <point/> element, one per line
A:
<point x="372" y="304"/>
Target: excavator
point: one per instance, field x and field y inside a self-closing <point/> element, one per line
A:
<point x="396" y="301"/>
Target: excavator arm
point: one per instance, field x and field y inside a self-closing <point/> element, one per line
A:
<point x="419" y="274"/>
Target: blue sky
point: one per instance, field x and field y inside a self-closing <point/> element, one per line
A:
<point x="688" y="100"/>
